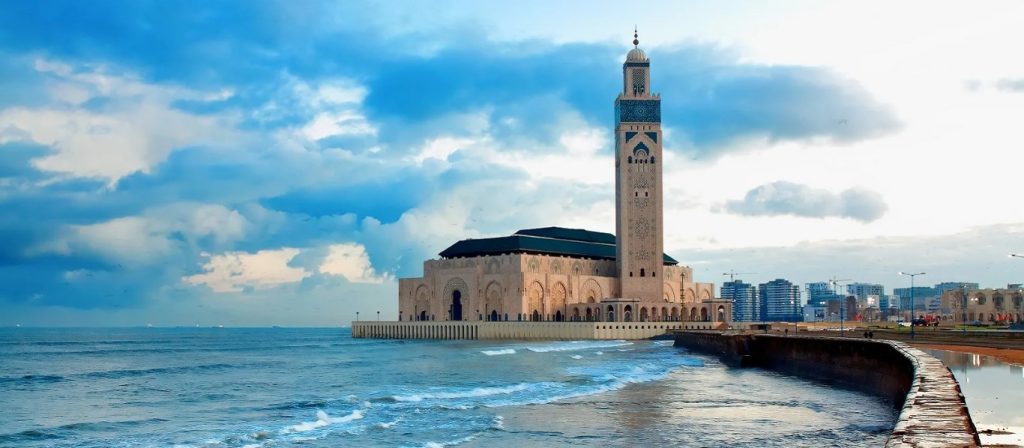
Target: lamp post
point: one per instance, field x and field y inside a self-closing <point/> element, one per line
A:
<point x="842" y="302"/>
<point x="964" y="301"/>
<point x="911" y="275"/>
<point x="357" y="316"/>
<point x="378" y="316"/>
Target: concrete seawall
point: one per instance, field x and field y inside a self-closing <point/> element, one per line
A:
<point x="512" y="330"/>
<point x="933" y="412"/>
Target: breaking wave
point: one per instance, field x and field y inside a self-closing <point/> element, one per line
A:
<point x="497" y="352"/>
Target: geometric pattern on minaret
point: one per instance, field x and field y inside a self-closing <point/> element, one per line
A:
<point x="638" y="189"/>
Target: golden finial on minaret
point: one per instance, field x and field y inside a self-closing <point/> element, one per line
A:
<point x="636" y="40"/>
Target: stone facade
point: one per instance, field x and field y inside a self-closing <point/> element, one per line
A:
<point x="528" y="287"/>
<point x="990" y="306"/>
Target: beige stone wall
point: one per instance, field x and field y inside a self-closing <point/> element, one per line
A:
<point x="512" y="330"/>
<point x="517" y="285"/>
<point x="986" y="305"/>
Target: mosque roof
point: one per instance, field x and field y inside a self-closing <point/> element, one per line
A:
<point x="577" y="243"/>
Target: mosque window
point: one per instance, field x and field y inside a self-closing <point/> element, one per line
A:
<point x="642" y="272"/>
<point x="652" y="159"/>
<point x="629" y="159"/>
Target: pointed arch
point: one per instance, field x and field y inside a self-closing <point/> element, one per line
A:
<point x="558" y="296"/>
<point x="591" y="291"/>
<point x="535" y="300"/>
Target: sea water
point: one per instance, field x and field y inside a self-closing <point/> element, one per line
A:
<point x="219" y="387"/>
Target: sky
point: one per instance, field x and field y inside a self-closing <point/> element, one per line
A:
<point x="262" y="163"/>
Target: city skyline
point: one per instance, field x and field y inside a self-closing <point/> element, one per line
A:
<point x="284" y="164"/>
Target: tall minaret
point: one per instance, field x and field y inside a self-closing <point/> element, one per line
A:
<point x="638" y="201"/>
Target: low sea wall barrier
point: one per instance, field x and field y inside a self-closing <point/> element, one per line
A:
<point x="932" y="408"/>
<point x="512" y="330"/>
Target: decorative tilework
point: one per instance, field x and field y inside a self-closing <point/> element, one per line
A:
<point x="637" y="64"/>
<point x="652" y="135"/>
<point x="638" y="111"/>
<point x="630" y="135"/>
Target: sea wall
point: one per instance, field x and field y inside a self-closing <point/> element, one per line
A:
<point x="511" y="330"/>
<point x="932" y="408"/>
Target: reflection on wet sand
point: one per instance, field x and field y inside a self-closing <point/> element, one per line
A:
<point x="994" y="391"/>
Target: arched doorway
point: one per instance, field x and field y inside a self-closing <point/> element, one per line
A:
<point x="627" y="313"/>
<point x="456" y="305"/>
<point x="643" y="314"/>
<point x="536" y="316"/>
<point x="494" y="316"/>
<point x="575" y="314"/>
<point x="703" y="314"/>
<point x="558" y="316"/>
<point x="423" y="315"/>
<point x="611" y="313"/>
<point x="590" y="315"/>
<point x="721" y="313"/>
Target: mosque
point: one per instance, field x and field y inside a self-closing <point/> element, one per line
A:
<point x="572" y="276"/>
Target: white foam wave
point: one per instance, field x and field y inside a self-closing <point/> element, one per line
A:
<point x="388" y="425"/>
<point x="576" y="357"/>
<point x="577" y="345"/>
<point x="471" y="393"/>
<point x="599" y="353"/>
<point x="504" y="351"/>
<point x="450" y="443"/>
<point x="322" y="419"/>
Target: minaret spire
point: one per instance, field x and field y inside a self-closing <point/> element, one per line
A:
<point x="636" y="38"/>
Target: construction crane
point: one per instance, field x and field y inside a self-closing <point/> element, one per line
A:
<point x="732" y="274"/>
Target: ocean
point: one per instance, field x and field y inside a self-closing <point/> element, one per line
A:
<point x="278" y="387"/>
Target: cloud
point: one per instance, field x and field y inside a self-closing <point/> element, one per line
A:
<point x="129" y="154"/>
<point x="787" y="198"/>
<point x="106" y="126"/>
<point x="238" y="271"/>
<point x="152" y="236"/>
<point x="349" y="260"/>
<point x="1011" y="85"/>
<point x="975" y="255"/>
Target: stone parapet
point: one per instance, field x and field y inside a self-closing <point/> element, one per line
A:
<point x="933" y="412"/>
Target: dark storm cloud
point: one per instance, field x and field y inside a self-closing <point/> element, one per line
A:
<point x="787" y="198"/>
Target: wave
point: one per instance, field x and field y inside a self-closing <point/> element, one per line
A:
<point x="477" y="392"/>
<point x="129" y="373"/>
<point x="503" y="351"/>
<point x="577" y="345"/>
<point x="322" y="419"/>
<point x="32" y="379"/>
<point x="64" y="431"/>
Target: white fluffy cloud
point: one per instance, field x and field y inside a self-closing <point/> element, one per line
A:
<point x="236" y="271"/>
<point x="149" y="237"/>
<point x="133" y="129"/>
<point x="350" y="260"/>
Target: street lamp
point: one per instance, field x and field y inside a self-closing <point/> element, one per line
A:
<point x="357" y="316"/>
<point x="842" y="301"/>
<point x="378" y="316"/>
<point x="911" y="275"/>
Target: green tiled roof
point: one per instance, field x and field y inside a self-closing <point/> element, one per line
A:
<point x="546" y="240"/>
